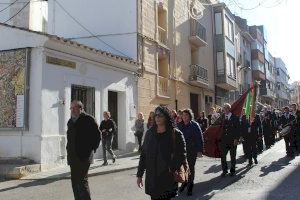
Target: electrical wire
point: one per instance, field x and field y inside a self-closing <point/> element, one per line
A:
<point x="17" y="13"/>
<point x="86" y="29"/>
<point x="21" y="2"/>
<point x="8" y="6"/>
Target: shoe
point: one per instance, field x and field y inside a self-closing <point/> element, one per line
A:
<point x="182" y="187"/>
<point x="224" y="173"/>
<point x="114" y="159"/>
<point x="190" y="189"/>
<point x="105" y="164"/>
<point x="232" y="172"/>
<point x="250" y="164"/>
<point x="255" y="161"/>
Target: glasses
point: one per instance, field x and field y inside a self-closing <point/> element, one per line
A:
<point x="159" y="115"/>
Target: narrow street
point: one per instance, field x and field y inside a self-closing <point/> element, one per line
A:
<point x="275" y="177"/>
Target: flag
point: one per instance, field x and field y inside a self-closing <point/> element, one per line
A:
<point x="253" y="101"/>
<point x="213" y="134"/>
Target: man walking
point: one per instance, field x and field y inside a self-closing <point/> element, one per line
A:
<point x="229" y="140"/>
<point x="83" y="137"/>
<point x="288" y="119"/>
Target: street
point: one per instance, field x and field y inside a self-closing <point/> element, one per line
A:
<point x="275" y="177"/>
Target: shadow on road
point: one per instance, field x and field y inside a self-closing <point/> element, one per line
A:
<point x="288" y="188"/>
<point x="275" y="166"/>
<point x="207" y="189"/>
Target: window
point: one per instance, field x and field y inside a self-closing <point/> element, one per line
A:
<point x="229" y="29"/>
<point x="230" y="66"/>
<point x="220" y="63"/>
<point x="218" y="23"/>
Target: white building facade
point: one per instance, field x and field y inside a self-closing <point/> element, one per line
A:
<point x="57" y="71"/>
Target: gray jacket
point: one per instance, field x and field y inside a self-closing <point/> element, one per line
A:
<point x="139" y="125"/>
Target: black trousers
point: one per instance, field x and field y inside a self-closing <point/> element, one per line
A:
<point x="191" y="158"/>
<point x="268" y="139"/>
<point x="225" y="147"/>
<point x="251" y="148"/>
<point x="79" y="178"/>
<point x="289" y="144"/>
<point x="139" y="136"/>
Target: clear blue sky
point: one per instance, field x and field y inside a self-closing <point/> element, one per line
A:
<point x="282" y="24"/>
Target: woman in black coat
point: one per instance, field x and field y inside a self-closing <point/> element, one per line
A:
<point x="202" y="121"/>
<point x="156" y="157"/>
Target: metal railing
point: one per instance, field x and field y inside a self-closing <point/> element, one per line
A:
<point x="163" y="86"/>
<point x="198" y="29"/>
<point x="198" y="73"/>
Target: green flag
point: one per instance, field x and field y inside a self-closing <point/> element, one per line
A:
<point x="248" y="103"/>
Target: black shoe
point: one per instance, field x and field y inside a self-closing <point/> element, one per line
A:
<point x="255" y="161"/>
<point x="250" y="164"/>
<point x="190" y="189"/>
<point x="232" y="172"/>
<point x="224" y="173"/>
<point x="105" y="164"/>
<point x="182" y="187"/>
<point x="114" y="159"/>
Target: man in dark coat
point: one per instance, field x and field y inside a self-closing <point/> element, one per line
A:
<point x="296" y="113"/>
<point x="251" y="138"/>
<point x="229" y="139"/>
<point x="83" y="137"/>
<point x="267" y="130"/>
<point x="289" y="139"/>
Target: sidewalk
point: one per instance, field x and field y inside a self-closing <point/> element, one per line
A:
<point x="122" y="164"/>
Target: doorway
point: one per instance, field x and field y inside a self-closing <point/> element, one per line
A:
<point x="86" y="95"/>
<point x="194" y="104"/>
<point x="113" y="109"/>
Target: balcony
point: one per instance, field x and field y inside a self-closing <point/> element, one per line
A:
<point x="163" y="87"/>
<point x="162" y="35"/>
<point x="198" y="76"/>
<point x="198" y="34"/>
<point x="266" y="92"/>
<point x="226" y="82"/>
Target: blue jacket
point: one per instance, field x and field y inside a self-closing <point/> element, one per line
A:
<point x="193" y="136"/>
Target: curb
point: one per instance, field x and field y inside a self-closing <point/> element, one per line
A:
<point x="17" y="172"/>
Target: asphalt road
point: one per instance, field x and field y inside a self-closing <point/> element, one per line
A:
<point x="275" y="177"/>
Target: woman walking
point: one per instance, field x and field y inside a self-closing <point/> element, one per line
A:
<point x="158" y="159"/>
<point x="139" y="129"/>
<point x="108" y="129"/>
<point x="194" y="146"/>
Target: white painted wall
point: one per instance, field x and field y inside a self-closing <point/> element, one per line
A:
<point x="101" y="17"/>
<point x="25" y="143"/>
<point x="45" y="140"/>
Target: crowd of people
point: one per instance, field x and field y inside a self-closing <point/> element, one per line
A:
<point x="174" y="139"/>
<point x="255" y="135"/>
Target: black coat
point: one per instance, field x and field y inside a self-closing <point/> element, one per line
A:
<point x="231" y="129"/>
<point x="83" y="138"/>
<point x="109" y="126"/>
<point x="156" y="160"/>
<point x="203" y="122"/>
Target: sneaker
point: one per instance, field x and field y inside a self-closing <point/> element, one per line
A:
<point x="105" y="164"/>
